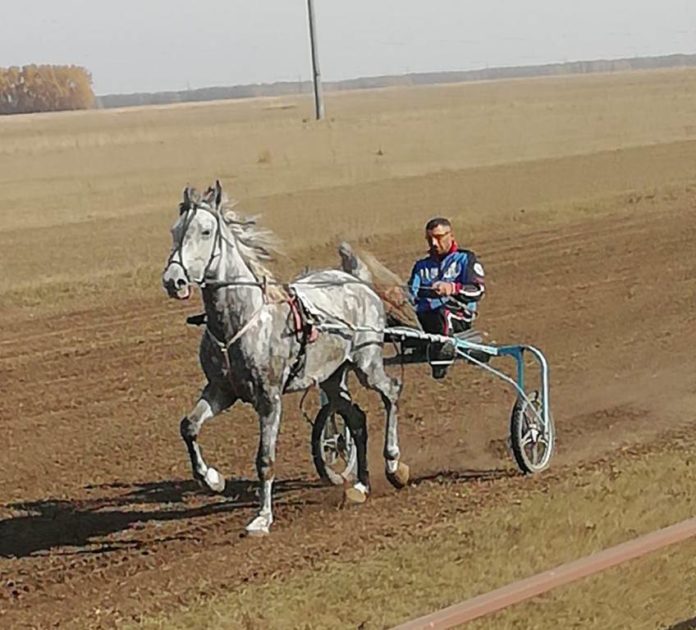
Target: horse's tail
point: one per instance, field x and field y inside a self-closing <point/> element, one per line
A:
<point x="352" y="264"/>
<point x="390" y="288"/>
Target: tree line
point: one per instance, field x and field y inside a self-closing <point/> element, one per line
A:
<point x="45" y="88"/>
<point x="284" y="88"/>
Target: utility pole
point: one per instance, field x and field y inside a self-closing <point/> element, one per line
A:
<point x="316" y="75"/>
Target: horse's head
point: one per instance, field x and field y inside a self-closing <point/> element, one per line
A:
<point x="196" y="242"/>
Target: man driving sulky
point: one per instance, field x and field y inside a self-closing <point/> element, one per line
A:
<point x="445" y="288"/>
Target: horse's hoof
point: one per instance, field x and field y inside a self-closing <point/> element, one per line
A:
<point x="260" y="526"/>
<point x="356" y="494"/>
<point x="214" y="480"/>
<point x="399" y="478"/>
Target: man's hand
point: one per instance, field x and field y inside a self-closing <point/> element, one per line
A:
<point x="444" y="288"/>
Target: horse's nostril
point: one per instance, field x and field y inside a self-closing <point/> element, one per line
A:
<point x="180" y="283"/>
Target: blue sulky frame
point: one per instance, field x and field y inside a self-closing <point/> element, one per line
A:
<point x="531" y="422"/>
<point x="469" y="349"/>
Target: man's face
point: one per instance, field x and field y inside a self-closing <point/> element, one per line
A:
<point x="439" y="239"/>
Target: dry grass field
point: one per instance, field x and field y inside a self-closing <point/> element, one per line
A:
<point x="578" y="193"/>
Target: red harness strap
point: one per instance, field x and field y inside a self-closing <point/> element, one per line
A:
<point x="300" y="323"/>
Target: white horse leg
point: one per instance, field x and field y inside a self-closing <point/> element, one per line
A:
<point x="374" y="377"/>
<point x="211" y="402"/>
<point x="269" y="419"/>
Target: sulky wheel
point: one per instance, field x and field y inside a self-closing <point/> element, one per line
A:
<point x="333" y="446"/>
<point x="531" y="439"/>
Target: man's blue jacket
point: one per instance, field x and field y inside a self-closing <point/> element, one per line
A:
<point x="458" y="266"/>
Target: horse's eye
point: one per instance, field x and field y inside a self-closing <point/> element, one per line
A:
<point x="206" y="233"/>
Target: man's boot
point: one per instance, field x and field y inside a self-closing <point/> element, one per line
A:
<point x="443" y="355"/>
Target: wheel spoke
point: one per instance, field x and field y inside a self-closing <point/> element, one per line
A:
<point x="330" y="443"/>
<point x="526" y="439"/>
<point x="532" y="436"/>
<point x="337" y="444"/>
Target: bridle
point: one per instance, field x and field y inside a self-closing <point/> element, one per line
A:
<point x="176" y="258"/>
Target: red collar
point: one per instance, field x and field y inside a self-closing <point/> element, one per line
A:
<point x="452" y="249"/>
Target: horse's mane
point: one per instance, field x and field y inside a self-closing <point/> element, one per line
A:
<point x="256" y="245"/>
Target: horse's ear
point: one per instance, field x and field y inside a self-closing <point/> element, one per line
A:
<point x="218" y="193"/>
<point x="185" y="200"/>
<point x="191" y="197"/>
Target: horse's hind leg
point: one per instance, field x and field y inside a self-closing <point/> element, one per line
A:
<point x="337" y="392"/>
<point x="212" y="401"/>
<point x="370" y="371"/>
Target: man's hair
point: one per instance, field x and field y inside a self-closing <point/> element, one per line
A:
<point x="437" y="222"/>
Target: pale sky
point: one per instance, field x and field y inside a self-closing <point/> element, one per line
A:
<point x="154" y="45"/>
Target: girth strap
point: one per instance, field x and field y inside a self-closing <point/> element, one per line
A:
<point x="304" y="331"/>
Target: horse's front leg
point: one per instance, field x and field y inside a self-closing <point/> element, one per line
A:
<point x="269" y="409"/>
<point x="212" y="401"/>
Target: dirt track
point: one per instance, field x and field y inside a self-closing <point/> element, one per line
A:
<point x="578" y="193"/>
<point x="100" y="521"/>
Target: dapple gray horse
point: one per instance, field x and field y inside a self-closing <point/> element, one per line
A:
<point x="257" y="345"/>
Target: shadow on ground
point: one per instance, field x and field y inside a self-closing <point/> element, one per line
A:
<point x="79" y="523"/>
